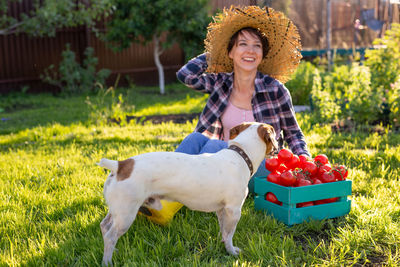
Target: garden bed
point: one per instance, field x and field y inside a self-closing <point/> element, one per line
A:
<point x="158" y="119"/>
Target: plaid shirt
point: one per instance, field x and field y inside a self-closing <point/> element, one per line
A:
<point x="271" y="103"/>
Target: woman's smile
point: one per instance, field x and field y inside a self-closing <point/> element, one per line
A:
<point x="247" y="52"/>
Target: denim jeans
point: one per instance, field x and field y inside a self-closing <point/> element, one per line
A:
<point x="196" y="143"/>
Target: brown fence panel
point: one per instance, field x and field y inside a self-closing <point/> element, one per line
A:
<point x="310" y="18"/>
<point x="220" y="4"/>
<point x="23" y="58"/>
<point x="137" y="62"/>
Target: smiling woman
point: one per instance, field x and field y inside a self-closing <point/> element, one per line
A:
<point x="249" y="53"/>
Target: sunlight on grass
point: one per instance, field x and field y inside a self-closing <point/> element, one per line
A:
<point x="187" y="105"/>
<point x="51" y="198"/>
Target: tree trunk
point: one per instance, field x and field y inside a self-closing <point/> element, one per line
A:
<point x="157" y="52"/>
<point x="328" y="34"/>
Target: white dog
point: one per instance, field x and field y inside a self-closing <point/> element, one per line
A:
<point x="207" y="182"/>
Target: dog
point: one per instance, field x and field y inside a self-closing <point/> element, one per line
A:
<point x="209" y="182"/>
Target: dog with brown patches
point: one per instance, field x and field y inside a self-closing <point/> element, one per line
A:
<point x="210" y="182"/>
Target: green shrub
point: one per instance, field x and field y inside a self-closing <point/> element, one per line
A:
<point x="337" y="81"/>
<point x="394" y="102"/>
<point x="323" y="102"/>
<point x="103" y="108"/>
<point x="364" y="101"/>
<point x="346" y="93"/>
<point x="71" y="77"/>
<point x="385" y="61"/>
<point x="367" y="94"/>
<point x="301" y="83"/>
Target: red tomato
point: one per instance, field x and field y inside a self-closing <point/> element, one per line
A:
<point x="302" y="159"/>
<point x="317" y="181"/>
<point x="271" y="164"/>
<point x="285" y="155"/>
<point x="274" y="177"/>
<point x="325" y="201"/>
<point x="300" y="174"/>
<point x="303" y="182"/>
<point x="305" y="204"/>
<point x="319" y="202"/>
<point x="340" y="172"/>
<point x="282" y="168"/>
<point x="287" y="178"/>
<point x="331" y="200"/>
<point x="327" y="177"/>
<point x="310" y="168"/>
<point x="272" y="198"/>
<point x="324" y="168"/>
<point x="293" y="163"/>
<point x="321" y="159"/>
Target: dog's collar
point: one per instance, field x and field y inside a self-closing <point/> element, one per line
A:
<point x="244" y="156"/>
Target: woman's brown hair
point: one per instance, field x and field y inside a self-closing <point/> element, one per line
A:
<point x="262" y="38"/>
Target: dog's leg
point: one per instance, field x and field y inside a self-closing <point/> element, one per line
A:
<point x="106" y="224"/>
<point x="231" y="217"/>
<point x="220" y="216"/>
<point x="113" y="227"/>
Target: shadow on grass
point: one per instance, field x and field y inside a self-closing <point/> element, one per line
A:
<point x="103" y="143"/>
<point x="191" y="238"/>
<point x="26" y="111"/>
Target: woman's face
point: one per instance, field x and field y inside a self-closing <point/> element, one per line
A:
<point x="247" y="53"/>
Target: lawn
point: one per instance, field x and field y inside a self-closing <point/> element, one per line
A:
<point x="51" y="200"/>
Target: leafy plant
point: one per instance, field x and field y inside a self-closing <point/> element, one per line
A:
<point x="384" y="62"/>
<point x="101" y="110"/>
<point x="46" y="16"/>
<point x="71" y="77"/>
<point x="301" y="83"/>
<point x="323" y="103"/>
<point x="394" y="102"/>
<point x="366" y="94"/>
<point x="363" y="101"/>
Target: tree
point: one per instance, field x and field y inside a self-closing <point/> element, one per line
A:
<point x="47" y="16"/>
<point x="143" y="21"/>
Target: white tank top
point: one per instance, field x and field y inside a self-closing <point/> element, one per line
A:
<point x="233" y="116"/>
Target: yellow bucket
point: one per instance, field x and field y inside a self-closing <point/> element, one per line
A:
<point x="165" y="215"/>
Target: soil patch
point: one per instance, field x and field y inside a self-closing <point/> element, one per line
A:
<point x="348" y="126"/>
<point x="157" y="119"/>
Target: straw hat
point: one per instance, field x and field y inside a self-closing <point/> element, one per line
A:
<point x="284" y="40"/>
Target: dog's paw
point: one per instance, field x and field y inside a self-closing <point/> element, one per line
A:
<point x="235" y="251"/>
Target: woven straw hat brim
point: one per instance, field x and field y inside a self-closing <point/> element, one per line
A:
<point x="284" y="40"/>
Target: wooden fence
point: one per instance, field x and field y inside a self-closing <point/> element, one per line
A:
<point x="23" y="58"/>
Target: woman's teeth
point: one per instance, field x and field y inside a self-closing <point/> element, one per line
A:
<point x="248" y="59"/>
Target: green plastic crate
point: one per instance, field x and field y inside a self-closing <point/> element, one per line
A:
<point x="290" y="196"/>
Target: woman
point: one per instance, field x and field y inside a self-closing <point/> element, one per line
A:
<point x="247" y="50"/>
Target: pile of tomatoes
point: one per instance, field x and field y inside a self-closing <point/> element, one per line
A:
<point x="291" y="170"/>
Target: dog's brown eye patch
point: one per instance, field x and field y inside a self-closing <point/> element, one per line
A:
<point x="235" y="131"/>
<point x="125" y="169"/>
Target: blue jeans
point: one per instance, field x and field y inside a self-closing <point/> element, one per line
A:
<point x="196" y="143"/>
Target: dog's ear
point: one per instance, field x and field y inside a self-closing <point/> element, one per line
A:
<point x="125" y="169"/>
<point x="267" y="133"/>
<point x="112" y="165"/>
<point x="235" y="131"/>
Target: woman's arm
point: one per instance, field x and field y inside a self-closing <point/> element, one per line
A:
<point x="291" y="129"/>
<point x="192" y="74"/>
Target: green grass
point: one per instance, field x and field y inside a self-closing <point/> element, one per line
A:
<point x="51" y="199"/>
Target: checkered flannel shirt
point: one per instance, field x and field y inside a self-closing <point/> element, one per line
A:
<point x="271" y="103"/>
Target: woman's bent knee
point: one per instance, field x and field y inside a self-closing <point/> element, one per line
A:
<point x="193" y="143"/>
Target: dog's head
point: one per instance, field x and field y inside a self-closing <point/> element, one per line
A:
<point x="265" y="131"/>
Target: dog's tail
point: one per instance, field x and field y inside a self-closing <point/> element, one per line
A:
<point x="112" y="165"/>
